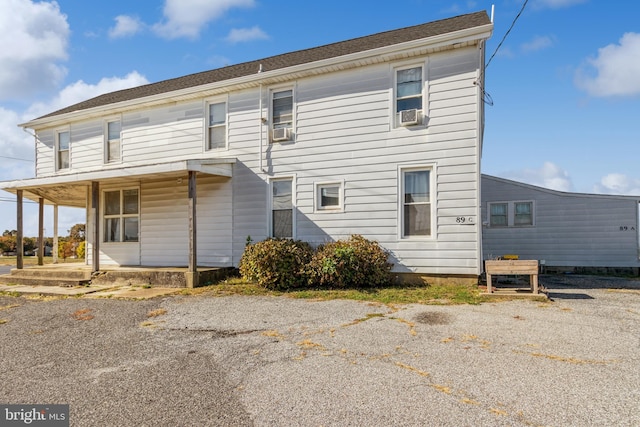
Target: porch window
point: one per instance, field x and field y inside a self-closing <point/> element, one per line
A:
<point x="217" y="126"/>
<point x="499" y="214"/>
<point x="416" y="203"/>
<point x="282" y="208"/>
<point x="62" y="152"/>
<point x="113" y="140"/>
<point x="121" y="215"/>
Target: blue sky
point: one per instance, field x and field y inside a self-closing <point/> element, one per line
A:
<point x="565" y="84"/>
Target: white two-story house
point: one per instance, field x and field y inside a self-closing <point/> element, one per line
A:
<point x="379" y="136"/>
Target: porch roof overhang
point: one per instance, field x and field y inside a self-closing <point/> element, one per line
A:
<point x="70" y="189"/>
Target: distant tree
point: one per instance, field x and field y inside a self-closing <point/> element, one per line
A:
<point x="10" y="233"/>
<point x="66" y="248"/>
<point x="29" y="244"/>
<point x="80" y="250"/>
<point x="77" y="233"/>
<point x="7" y="244"/>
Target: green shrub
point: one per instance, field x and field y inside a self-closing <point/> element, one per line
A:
<point x="356" y="262"/>
<point x="276" y="263"/>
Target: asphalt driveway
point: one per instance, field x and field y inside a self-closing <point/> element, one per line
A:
<point x="237" y="361"/>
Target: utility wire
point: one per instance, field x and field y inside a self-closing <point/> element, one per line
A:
<point x="16" y="158"/>
<point x="507" y="33"/>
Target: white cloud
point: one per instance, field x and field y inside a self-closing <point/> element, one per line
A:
<point x="34" y="38"/>
<point x="237" y="35"/>
<point x="537" y="43"/>
<point x="557" y="4"/>
<point x="614" y="71"/>
<point x="126" y="26"/>
<point x="548" y="176"/>
<point x="186" y="18"/>
<point x="616" y="183"/>
<point x="81" y="91"/>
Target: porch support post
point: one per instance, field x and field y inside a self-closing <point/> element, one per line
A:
<point x="19" y="243"/>
<point x="54" y="251"/>
<point x="192" y="273"/>
<point x="95" y="214"/>
<point x="40" y="231"/>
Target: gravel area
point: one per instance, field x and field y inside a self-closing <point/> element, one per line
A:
<point x="266" y="361"/>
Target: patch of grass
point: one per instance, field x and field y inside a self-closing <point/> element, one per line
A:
<point x="3" y="321"/>
<point x="157" y="312"/>
<point x="10" y="294"/>
<point x="389" y="295"/>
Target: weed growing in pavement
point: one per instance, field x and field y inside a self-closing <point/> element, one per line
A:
<point x="157" y="312"/>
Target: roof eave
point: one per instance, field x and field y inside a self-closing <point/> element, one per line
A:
<point x="478" y="33"/>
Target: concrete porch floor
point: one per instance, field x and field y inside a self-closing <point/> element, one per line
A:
<point x="71" y="275"/>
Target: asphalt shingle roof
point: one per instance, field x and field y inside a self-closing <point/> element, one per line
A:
<point x="333" y="50"/>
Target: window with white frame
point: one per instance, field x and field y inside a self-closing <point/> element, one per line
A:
<point x="282" y="208"/>
<point x="121" y="215"/>
<point x="281" y="115"/>
<point x="409" y="85"/>
<point x="511" y="214"/>
<point x="63" y="140"/>
<point x="112" y="146"/>
<point x="499" y="214"/>
<point x="328" y="196"/>
<point x="217" y="125"/>
<point x="416" y="202"/>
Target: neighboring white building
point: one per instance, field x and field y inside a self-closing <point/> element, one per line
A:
<point x="565" y="231"/>
<point x="379" y="136"/>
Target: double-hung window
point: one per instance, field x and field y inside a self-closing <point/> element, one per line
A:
<point x="511" y="214"/>
<point x="499" y="214"/>
<point x="217" y="126"/>
<point x="416" y="203"/>
<point x="121" y="215"/>
<point x="408" y="94"/>
<point x="282" y="208"/>
<point x="63" y="140"/>
<point x="112" y="147"/>
<point x="282" y="114"/>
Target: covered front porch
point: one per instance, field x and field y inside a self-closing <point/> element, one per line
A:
<point x="117" y="240"/>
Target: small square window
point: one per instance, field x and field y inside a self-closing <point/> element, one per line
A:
<point x="329" y="196"/>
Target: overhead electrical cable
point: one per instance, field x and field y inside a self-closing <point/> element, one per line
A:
<point x="507" y="33"/>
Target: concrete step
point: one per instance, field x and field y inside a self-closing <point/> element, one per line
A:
<point x="78" y="274"/>
<point x="43" y="281"/>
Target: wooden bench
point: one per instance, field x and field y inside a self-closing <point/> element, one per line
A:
<point x="510" y="268"/>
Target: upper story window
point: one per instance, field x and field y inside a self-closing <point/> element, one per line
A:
<point x="511" y="214"/>
<point x="416" y="202"/>
<point x="408" y="100"/>
<point x="282" y="208"/>
<point x="112" y="146"/>
<point x="63" y="140"/>
<point x="281" y="115"/>
<point x="217" y="126"/>
<point x="121" y="215"/>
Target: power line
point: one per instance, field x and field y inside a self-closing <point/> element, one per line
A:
<point x="507" y="33"/>
<point x="17" y="158"/>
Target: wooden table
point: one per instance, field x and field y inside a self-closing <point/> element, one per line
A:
<point x="523" y="267"/>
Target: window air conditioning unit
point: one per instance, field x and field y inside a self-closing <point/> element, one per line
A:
<point x="409" y="117"/>
<point x="280" y="134"/>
